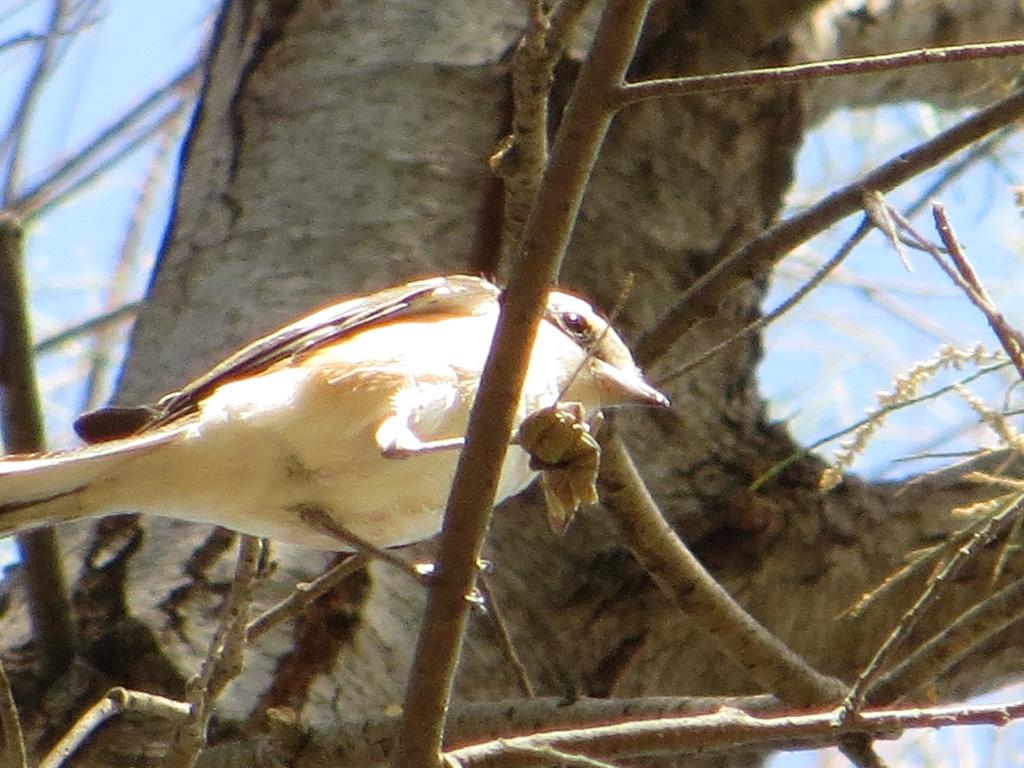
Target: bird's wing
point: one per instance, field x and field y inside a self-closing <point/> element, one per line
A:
<point x="454" y="294"/>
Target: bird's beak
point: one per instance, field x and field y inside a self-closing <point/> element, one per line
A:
<point x="619" y="387"/>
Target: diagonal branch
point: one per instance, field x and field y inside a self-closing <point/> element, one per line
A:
<point x="10" y="725"/>
<point x="138" y="124"/>
<point x="681" y="576"/>
<point x="13" y="140"/>
<point x="701" y="299"/>
<point x="632" y="93"/>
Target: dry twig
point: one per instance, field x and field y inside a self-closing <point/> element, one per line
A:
<point x="10" y="724"/>
<point x="632" y="93"/>
<point x="115" y="702"/>
<point x="303" y="595"/>
<point x="970" y="543"/>
<point x="976" y="626"/>
<point x="223" y="659"/>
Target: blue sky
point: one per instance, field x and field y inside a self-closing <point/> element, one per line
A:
<point x="72" y="250"/>
<point x="826" y="360"/>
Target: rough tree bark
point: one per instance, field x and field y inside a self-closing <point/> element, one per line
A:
<point x="343" y="146"/>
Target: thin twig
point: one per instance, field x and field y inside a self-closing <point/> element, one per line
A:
<point x="323" y="522"/>
<point x="12" y="8"/>
<point x="177" y="91"/>
<point x="500" y="626"/>
<point x="231" y="646"/>
<point x="980" y="537"/>
<point x="974" y="627"/>
<point x="84" y="328"/>
<point x="10" y="723"/>
<point x="881" y="295"/>
<point x="115" y="702"/>
<point x="48" y="603"/>
<point x="826" y="269"/>
<point x="11" y="147"/>
<point x="877" y="210"/>
<point x="304" y="594"/>
<point x="120" y="284"/>
<point x="223" y="659"/>
<point x="1009" y="338"/>
<point x="963" y="275"/>
<point x="49" y="198"/>
<point x="725" y="730"/>
<point x="917" y="570"/>
<point x="579" y="139"/>
<point x="819" y="276"/>
<point x="702" y="298"/>
<point x="30" y="38"/>
<point x="631" y="93"/>
<point x="874" y="416"/>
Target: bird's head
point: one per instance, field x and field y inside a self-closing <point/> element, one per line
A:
<point x="598" y="367"/>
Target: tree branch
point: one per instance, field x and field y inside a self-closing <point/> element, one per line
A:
<point x="634" y="93"/>
<point x="20" y="412"/>
<point x="725" y="730"/>
<point x="548" y="228"/>
<point x="681" y="576"/>
<point x="701" y="299"/>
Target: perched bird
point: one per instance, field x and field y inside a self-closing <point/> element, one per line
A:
<point x="355" y="411"/>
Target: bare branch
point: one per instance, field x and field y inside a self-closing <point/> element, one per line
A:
<point x="10" y="723"/>
<point x="701" y="299"/>
<point x="223" y="658"/>
<point x="663" y="554"/>
<point x="632" y="93"/>
<point x="954" y="643"/>
<point x="983" y="149"/>
<point x="508" y="649"/>
<point x="963" y="549"/>
<point x="104" y="339"/>
<point x="1009" y="337"/>
<point x="31" y="38"/>
<point x="551" y="220"/>
<point x="49" y="605"/>
<point x="303" y="595"/>
<point x="319" y="518"/>
<point x="116" y="702"/>
<point x="136" y="127"/>
<point x="14" y="137"/>
<point x="84" y="328"/>
<point x="725" y="730"/>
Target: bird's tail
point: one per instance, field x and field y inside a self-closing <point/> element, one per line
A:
<point x="51" y="488"/>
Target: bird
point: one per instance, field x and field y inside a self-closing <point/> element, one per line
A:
<point x="355" y="411"/>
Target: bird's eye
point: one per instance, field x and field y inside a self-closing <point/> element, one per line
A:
<point x="577" y="325"/>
